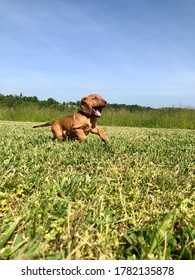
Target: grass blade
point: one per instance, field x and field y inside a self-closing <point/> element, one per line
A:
<point x="161" y="233"/>
<point x="6" y="236"/>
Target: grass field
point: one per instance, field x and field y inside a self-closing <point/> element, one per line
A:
<point x="181" y="118"/>
<point x="132" y="198"/>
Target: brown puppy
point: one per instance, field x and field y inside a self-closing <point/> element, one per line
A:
<point x="81" y="123"/>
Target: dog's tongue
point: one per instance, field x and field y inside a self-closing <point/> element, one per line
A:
<point x="97" y="112"/>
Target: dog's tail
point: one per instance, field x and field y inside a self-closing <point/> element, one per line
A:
<point x="44" y="124"/>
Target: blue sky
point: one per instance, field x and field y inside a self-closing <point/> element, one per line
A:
<point x="129" y="51"/>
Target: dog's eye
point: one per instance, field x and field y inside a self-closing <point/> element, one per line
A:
<point x="94" y="97"/>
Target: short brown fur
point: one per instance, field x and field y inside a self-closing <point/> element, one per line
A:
<point x="80" y="124"/>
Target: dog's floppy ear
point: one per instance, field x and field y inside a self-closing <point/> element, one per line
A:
<point x="84" y="106"/>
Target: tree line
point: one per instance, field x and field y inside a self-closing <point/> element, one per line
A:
<point x="13" y="101"/>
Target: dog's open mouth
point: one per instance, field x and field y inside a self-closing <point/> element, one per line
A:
<point x="97" y="111"/>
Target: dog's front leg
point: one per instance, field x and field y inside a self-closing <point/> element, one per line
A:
<point x="99" y="131"/>
<point x="79" y="133"/>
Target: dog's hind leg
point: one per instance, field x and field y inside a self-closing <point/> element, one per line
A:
<point x="58" y="133"/>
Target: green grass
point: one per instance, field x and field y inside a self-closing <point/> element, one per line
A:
<point x="132" y="198"/>
<point x="33" y="113"/>
<point x="161" y="118"/>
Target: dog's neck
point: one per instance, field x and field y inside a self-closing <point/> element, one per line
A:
<point x="85" y="114"/>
